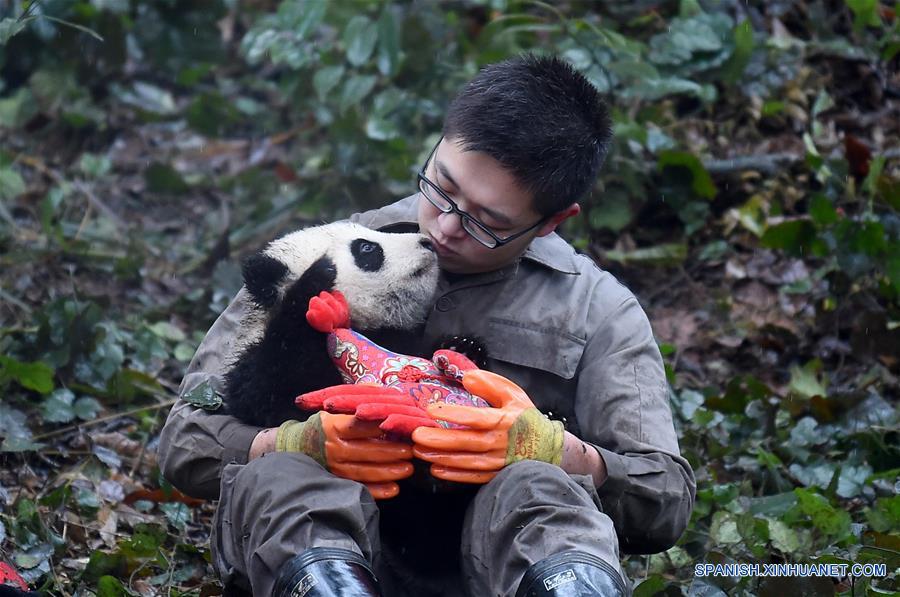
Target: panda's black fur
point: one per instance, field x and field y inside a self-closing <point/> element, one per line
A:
<point x="287" y="357"/>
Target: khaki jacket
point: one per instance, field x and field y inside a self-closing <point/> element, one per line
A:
<point x="569" y="333"/>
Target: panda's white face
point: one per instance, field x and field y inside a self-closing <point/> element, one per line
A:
<point x="389" y="279"/>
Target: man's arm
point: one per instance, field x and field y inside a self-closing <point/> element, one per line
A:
<point x="581" y="458"/>
<point x="622" y="406"/>
<point x="196" y="444"/>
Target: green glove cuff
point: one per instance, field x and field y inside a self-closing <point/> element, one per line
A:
<point x="535" y="437"/>
<point x="307" y="437"/>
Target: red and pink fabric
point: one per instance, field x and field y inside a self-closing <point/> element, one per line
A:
<point x="361" y="362"/>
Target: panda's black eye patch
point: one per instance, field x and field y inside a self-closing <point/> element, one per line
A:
<point x="369" y="255"/>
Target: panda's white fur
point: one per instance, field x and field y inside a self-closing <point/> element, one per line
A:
<point x="389" y="281"/>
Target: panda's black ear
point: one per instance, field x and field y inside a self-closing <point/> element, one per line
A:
<point x="262" y="274"/>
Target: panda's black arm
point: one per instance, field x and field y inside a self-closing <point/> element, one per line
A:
<point x="290" y="359"/>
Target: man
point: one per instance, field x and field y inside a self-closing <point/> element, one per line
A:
<point x="560" y="493"/>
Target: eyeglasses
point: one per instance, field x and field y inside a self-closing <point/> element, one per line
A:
<point x="477" y="230"/>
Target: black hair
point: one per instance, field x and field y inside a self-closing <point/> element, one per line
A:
<point x="542" y="120"/>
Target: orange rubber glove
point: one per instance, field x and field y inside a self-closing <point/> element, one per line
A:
<point x="397" y="413"/>
<point x="349" y="448"/>
<point x="512" y="431"/>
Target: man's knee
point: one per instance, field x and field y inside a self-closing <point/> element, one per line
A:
<point x="280" y="505"/>
<point x="529" y="512"/>
<point x="534" y="481"/>
<point x="277" y="464"/>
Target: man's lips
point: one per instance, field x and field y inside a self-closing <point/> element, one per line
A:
<point x="441" y="250"/>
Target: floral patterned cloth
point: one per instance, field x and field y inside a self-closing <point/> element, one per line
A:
<point x="360" y="361"/>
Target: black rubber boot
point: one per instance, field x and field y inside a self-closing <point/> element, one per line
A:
<point x="326" y="572"/>
<point x="572" y="574"/>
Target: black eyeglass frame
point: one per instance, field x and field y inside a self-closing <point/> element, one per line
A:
<point x="463" y="216"/>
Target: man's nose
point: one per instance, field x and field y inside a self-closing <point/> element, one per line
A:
<point x="450" y="225"/>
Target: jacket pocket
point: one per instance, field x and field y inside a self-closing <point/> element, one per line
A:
<point x="527" y="345"/>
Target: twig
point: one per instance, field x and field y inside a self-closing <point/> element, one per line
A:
<point x="99" y="205"/>
<point x="112" y="417"/>
<point x="771" y="163"/>
<point x="14" y="301"/>
<point x="84" y="221"/>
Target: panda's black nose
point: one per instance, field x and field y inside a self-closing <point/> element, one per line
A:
<point x="427" y="244"/>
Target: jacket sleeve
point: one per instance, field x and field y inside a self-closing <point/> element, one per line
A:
<point x="196" y="444"/>
<point x="622" y="405"/>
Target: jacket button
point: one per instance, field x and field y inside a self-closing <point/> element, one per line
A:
<point x="444" y="304"/>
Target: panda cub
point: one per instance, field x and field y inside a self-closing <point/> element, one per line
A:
<point x="389" y="281"/>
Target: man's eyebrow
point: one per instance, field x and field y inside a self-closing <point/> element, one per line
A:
<point x="495" y="215"/>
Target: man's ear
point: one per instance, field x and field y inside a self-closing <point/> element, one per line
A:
<point x="558" y="218"/>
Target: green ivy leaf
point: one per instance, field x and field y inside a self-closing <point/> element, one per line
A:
<point x="18" y="108"/>
<point x="57" y="408"/>
<point x="35" y="375"/>
<point x="87" y="408"/>
<point x="885" y="516"/>
<point x="11" y="184"/>
<point x="852" y="480"/>
<point x="355" y="90"/>
<point x="34" y="557"/>
<point x="360" y="37"/>
<point x="822" y="211"/>
<point x="177" y="514"/>
<point x="10" y="27"/>
<point x="381" y="129"/>
<point x="743" y="50"/>
<point x="184" y="352"/>
<point x="145" y="542"/>
<point x="167" y="331"/>
<point x="783" y="537"/>
<point x="702" y="183"/>
<point x="650" y="586"/>
<point x="87" y="498"/>
<point x="326" y="79"/>
<point x="613" y="211"/>
<point x="830" y="521"/>
<point x="102" y="563"/>
<point x="773" y="505"/>
<point x="302" y="16"/>
<point x="654" y="88"/>
<point x="110" y="586"/>
<point x="805" y="381"/>
<point x="865" y="13"/>
<point x="389" y="53"/>
<point x="146" y="97"/>
<point x="687" y="37"/>
<point x="94" y="166"/>
<point x="162" y="178"/>
<point x="203" y="396"/>
<point x="796" y="237"/>
<point x="723" y="530"/>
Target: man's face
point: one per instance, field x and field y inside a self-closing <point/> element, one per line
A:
<point x="480" y="186"/>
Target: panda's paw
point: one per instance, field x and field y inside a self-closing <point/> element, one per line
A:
<point x="328" y="311"/>
<point x="452" y="364"/>
<point x="469" y="346"/>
